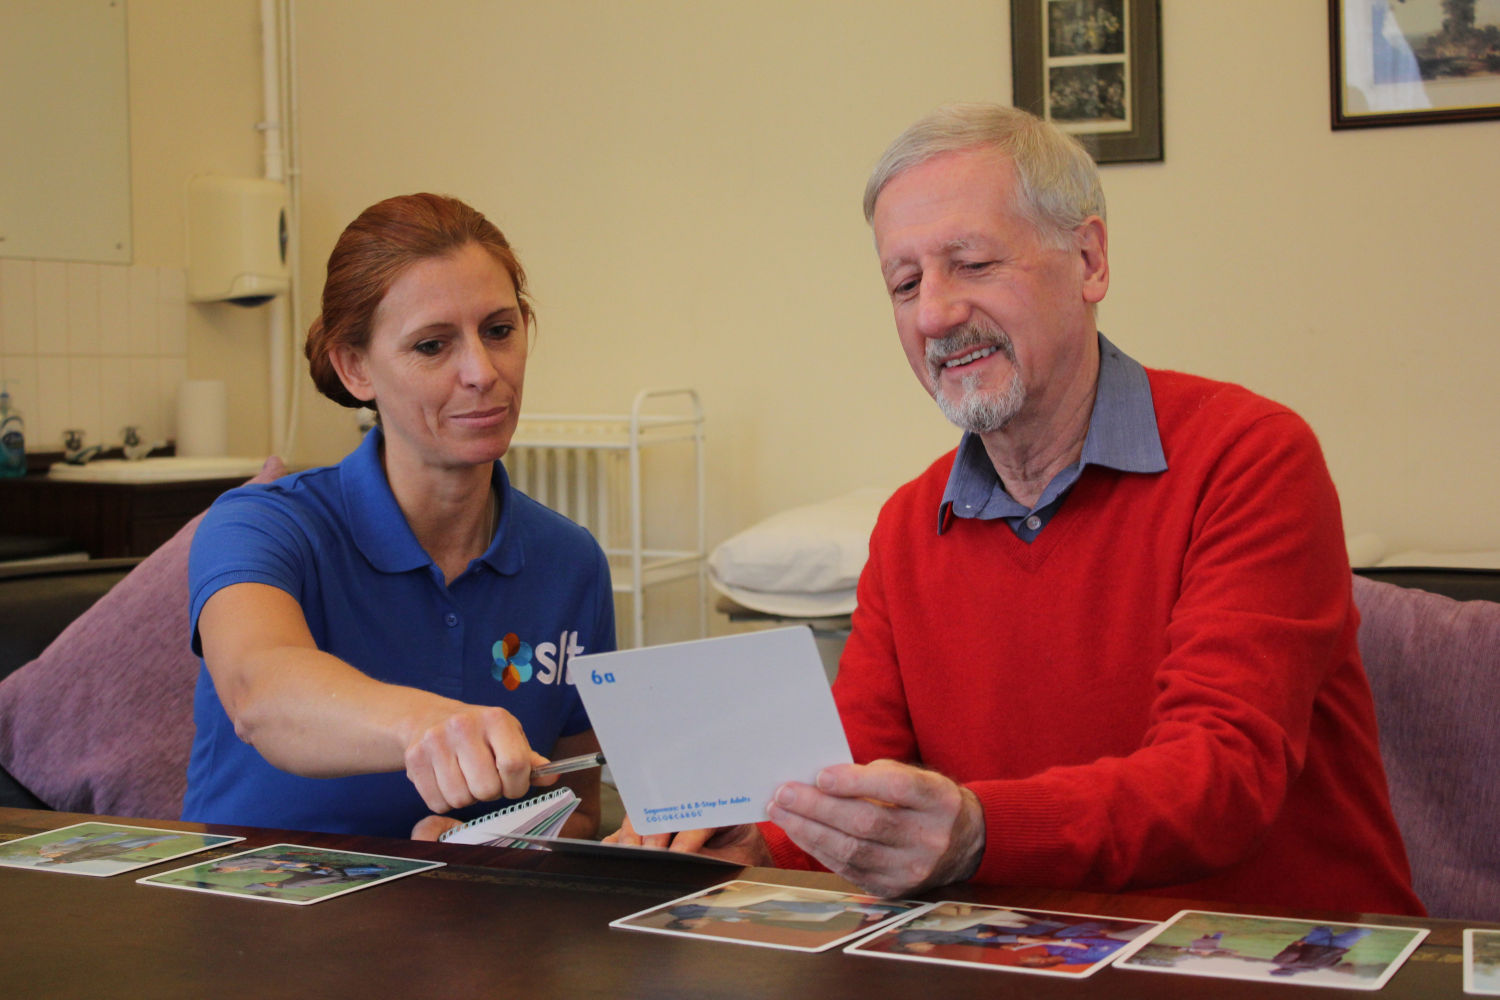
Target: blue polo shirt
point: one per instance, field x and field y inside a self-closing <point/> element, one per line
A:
<point x="336" y="541"/>
<point x="1122" y="435"/>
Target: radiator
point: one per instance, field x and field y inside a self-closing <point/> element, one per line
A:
<point x="589" y="486"/>
<point x="590" y="469"/>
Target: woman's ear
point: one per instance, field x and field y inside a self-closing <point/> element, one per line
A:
<point x="349" y="363"/>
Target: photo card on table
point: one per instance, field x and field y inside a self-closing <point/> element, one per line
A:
<point x="770" y="916"/>
<point x="1482" y="962"/>
<point x="104" y="849"/>
<point x="289" y="873"/>
<point x="1276" y="950"/>
<point x="1041" y="942"/>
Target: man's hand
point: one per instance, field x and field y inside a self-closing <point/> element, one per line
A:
<point x="890" y="828"/>
<point x="741" y="844"/>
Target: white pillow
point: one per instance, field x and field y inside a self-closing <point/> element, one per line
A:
<point x="1365" y="550"/>
<point x="802" y="562"/>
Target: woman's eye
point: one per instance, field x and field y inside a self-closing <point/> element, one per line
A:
<point x="428" y="347"/>
<point x="500" y="331"/>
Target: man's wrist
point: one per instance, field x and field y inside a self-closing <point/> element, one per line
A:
<point x="969" y="832"/>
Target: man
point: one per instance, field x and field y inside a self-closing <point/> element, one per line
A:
<point x="1109" y="642"/>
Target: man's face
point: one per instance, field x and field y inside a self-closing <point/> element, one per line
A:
<point x="994" y="320"/>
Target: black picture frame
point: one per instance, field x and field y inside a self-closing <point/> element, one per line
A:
<point x="1093" y="68"/>
<point x="1403" y="72"/>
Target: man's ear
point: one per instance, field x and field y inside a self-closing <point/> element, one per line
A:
<point x="349" y="363"/>
<point x="1093" y="253"/>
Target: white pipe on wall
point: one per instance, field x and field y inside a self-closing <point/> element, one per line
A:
<point x="292" y="153"/>
<point x="270" y="81"/>
<point x="275" y="170"/>
<point x="278" y="98"/>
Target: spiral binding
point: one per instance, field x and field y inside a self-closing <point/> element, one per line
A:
<point x="557" y="793"/>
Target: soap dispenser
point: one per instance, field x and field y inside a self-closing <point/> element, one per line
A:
<point x="12" y="438"/>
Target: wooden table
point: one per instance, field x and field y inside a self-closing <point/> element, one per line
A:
<point x="523" y="924"/>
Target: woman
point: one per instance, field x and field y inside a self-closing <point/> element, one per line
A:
<point x="368" y="629"/>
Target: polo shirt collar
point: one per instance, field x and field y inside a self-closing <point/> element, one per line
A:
<point x="379" y="527"/>
<point x="1122" y="431"/>
<point x="506" y="554"/>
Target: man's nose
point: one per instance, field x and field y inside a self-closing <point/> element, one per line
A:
<point x="940" y="306"/>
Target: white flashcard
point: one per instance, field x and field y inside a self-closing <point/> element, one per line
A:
<point x="700" y="734"/>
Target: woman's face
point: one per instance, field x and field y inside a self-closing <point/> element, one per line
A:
<point x="445" y="361"/>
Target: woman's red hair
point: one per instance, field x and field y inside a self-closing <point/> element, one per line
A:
<point x="386" y="239"/>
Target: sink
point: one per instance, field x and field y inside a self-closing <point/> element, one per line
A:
<point x="157" y="470"/>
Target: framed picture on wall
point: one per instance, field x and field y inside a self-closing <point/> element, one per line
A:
<point x="1413" y="62"/>
<point x="1092" y="68"/>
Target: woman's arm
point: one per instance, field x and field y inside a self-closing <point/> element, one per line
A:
<point x="312" y="714"/>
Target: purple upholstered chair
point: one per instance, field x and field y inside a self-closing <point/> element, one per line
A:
<point x="102" y="721"/>
<point x="1434" y="668"/>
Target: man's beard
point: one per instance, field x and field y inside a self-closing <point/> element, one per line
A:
<point x="967" y="405"/>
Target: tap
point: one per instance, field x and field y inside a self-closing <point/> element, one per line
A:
<point x="74" y="453"/>
<point x="134" y="446"/>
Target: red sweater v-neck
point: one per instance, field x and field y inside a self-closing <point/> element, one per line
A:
<point x="1162" y="692"/>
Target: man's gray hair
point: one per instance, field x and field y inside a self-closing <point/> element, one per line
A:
<point x="1059" y="182"/>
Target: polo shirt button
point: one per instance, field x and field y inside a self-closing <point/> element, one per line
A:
<point x="1033" y="522"/>
<point x="450" y="619"/>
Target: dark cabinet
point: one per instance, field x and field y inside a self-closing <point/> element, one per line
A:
<point x="105" y="519"/>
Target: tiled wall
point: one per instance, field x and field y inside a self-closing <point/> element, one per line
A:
<point x="92" y="346"/>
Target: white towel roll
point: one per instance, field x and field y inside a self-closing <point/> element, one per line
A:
<point x="202" y="418"/>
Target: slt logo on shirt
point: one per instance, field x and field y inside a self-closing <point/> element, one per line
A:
<point x="513" y="660"/>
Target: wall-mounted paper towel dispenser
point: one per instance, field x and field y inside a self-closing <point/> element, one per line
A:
<point x="236" y="239"/>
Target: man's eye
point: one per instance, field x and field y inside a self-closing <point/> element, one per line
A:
<point x="904" y="287"/>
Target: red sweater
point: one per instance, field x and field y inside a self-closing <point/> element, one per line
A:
<point x="1161" y="693"/>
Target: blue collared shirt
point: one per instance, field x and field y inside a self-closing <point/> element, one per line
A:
<point x="1122" y="435"/>
<point x="503" y="632"/>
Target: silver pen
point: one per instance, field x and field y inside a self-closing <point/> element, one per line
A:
<point x="567" y="764"/>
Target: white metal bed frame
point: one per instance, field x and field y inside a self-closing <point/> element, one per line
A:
<point x="573" y="464"/>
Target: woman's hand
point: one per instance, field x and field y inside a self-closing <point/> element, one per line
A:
<point x="433" y="827"/>
<point x="583" y="824"/>
<point x="460" y="754"/>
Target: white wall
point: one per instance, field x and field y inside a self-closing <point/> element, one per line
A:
<point x="682" y="178"/>
<point x="1346" y="273"/>
<point x="682" y="181"/>
<point x="194" y="103"/>
<point x="101" y="346"/>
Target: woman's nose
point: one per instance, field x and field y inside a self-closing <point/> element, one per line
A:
<point x="476" y="367"/>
